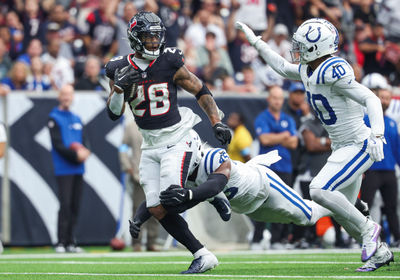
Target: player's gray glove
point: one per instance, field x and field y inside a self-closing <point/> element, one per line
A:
<point x="375" y="144"/>
<point x="125" y="77"/>
<point x="251" y="37"/>
<point x="222" y="133"/>
<point x="175" y="195"/>
<point x="134" y="228"/>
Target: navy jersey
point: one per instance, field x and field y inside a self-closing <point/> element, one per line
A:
<point x="154" y="104"/>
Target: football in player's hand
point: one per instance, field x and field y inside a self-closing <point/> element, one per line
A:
<point x="117" y="244"/>
<point x="75" y="146"/>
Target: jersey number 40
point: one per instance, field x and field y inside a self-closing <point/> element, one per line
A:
<point x="314" y="100"/>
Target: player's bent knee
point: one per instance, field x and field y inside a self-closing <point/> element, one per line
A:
<point x="316" y="194"/>
<point x="158" y="212"/>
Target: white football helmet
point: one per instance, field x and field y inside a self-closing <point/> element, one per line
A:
<point x="315" y="38"/>
<point x="375" y="81"/>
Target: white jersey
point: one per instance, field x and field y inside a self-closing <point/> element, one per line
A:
<point x="335" y="95"/>
<point x="247" y="187"/>
<point x="341" y="116"/>
<point x="393" y="111"/>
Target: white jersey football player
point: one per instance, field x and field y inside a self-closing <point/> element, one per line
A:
<point x="338" y="100"/>
<point x="251" y="188"/>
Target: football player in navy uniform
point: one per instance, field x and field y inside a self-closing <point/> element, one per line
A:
<point x="147" y="80"/>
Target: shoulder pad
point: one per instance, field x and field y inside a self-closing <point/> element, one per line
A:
<point x="113" y="64"/>
<point x="333" y="69"/>
<point x="213" y="158"/>
<point x="174" y="56"/>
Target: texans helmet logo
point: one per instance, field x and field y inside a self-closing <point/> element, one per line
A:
<point x="133" y="24"/>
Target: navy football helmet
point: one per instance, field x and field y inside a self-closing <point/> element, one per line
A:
<point x="146" y="34"/>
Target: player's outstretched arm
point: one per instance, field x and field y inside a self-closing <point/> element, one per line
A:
<point x="216" y="181"/>
<point x="189" y="82"/>
<point x="364" y="96"/>
<point x="115" y="102"/>
<point x="278" y="63"/>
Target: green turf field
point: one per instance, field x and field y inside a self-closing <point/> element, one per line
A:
<point x="23" y="264"/>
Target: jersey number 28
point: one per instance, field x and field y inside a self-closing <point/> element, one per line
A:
<point x="158" y="100"/>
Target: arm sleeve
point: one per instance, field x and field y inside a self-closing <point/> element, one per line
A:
<point x="278" y="63"/>
<point x="58" y="145"/>
<point x="142" y="214"/>
<point x="215" y="184"/>
<point x="362" y="95"/>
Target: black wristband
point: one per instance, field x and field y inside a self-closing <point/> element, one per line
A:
<point x="215" y="184"/>
<point x="203" y="91"/>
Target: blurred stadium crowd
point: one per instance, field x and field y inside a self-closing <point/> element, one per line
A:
<point x="46" y="44"/>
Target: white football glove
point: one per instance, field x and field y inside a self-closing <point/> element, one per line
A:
<point x="376" y="147"/>
<point x="251" y="37"/>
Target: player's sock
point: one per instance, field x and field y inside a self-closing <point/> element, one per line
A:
<point x="317" y="211"/>
<point x="339" y="205"/>
<point x="175" y="225"/>
<point x="201" y="252"/>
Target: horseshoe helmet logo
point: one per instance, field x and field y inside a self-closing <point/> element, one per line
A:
<point x="317" y="38"/>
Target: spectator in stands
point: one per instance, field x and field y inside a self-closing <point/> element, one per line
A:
<point x="34" y="48"/>
<point x="11" y="46"/>
<point x="381" y="175"/>
<point x="128" y="12"/>
<point x="247" y="85"/>
<point x="91" y="76"/>
<point x="389" y="17"/>
<point x="34" y="22"/>
<point x="373" y="48"/>
<point x="69" y="153"/>
<point x="101" y="37"/>
<point x="5" y="60"/>
<point x="17" y="79"/>
<point x="214" y="72"/>
<point x="3" y="144"/>
<point x="58" y="67"/>
<point x="16" y="29"/>
<point x="204" y="54"/>
<point x="240" y="51"/>
<point x="277" y="131"/>
<point x="129" y="156"/>
<point x="195" y="35"/>
<point x="170" y="12"/>
<point x="259" y="15"/>
<point x="53" y="33"/>
<point x="37" y="80"/>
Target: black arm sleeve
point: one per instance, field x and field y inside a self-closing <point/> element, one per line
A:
<point x="181" y="207"/>
<point x="142" y="214"/>
<point x="58" y="145"/>
<point x="215" y="184"/>
<point x="85" y="139"/>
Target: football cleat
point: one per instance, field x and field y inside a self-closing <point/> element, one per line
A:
<point x="370" y="240"/>
<point x="202" y="264"/>
<point x="383" y="256"/>
<point x="223" y="207"/>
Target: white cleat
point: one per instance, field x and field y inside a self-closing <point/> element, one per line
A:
<point x="202" y="264"/>
<point x="383" y="256"/>
<point x="370" y="240"/>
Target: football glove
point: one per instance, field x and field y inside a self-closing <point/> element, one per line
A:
<point x="134" y="228"/>
<point x="375" y="144"/>
<point x="175" y="195"/>
<point x="251" y="37"/>
<point x="125" y="77"/>
<point x="222" y="133"/>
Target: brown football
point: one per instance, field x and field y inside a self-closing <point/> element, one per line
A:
<point x="117" y="244"/>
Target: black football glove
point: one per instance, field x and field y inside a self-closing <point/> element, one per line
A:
<point x="175" y="195"/>
<point x="222" y="133"/>
<point x="134" y="228"/>
<point x="125" y="77"/>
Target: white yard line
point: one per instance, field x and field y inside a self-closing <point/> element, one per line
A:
<point x="170" y="262"/>
<point x="114" y="275"/>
